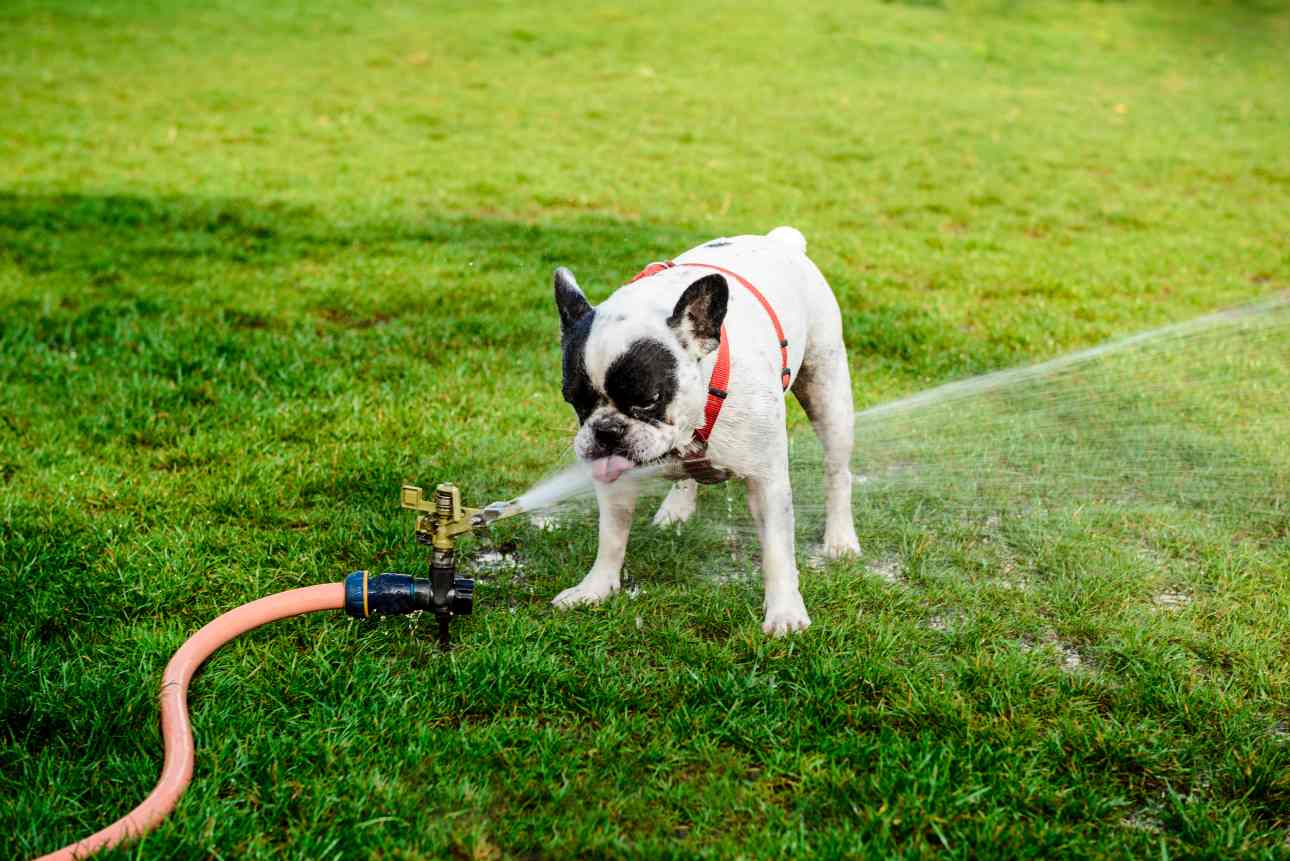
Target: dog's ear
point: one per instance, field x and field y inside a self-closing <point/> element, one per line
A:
<point x="569" y="300"/>
<point x="699" y="313"/>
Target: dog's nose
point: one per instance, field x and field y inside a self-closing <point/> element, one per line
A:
<point x="609" y="435"/>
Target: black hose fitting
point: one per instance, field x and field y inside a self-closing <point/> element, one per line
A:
<point x="392" y="594"/>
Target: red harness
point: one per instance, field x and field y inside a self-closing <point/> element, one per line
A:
<point x="697" y="464"/>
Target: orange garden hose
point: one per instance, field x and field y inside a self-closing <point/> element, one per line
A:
<point x="176" y="731"/>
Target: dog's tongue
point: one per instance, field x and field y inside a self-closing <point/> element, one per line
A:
<point x="608" y="469"/>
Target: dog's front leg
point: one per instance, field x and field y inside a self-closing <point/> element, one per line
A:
<point x="617" y="503"/>
<point x="771" y="502"/>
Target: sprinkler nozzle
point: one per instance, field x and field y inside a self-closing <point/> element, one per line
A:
<point x="494" y="512"/>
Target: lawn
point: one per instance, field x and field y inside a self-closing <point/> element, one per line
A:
<point x="261" y="266"/>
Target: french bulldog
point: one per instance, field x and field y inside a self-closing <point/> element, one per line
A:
<point x="639" y="374"/>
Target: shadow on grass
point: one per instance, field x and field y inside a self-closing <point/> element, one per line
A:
<point x="106" y="255"/>
<point x="1242" y="29"/>
<point x="98" y="235"/>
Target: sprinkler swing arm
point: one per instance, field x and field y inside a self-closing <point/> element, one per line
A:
<point x="441" y="521"/>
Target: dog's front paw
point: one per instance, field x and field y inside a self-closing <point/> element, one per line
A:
<point x="672" y="514"/>
<point x="785" y="614"/>
<point x="842" y="545"/>
<point x="592" y="590"/>
<point x="679" y="506"/>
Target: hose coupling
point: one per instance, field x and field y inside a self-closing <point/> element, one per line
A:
<point x="393" y="594"/>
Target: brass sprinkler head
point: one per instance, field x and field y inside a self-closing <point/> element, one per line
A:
<point x="442" y="519"/>
<point x="440" y="522"/>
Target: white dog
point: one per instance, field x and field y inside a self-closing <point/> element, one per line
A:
<point x="688" y="365"/>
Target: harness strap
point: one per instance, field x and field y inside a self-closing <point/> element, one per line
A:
<point x="717" y="388"/>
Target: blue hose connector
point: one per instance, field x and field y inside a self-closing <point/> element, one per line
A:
<point x="386" y="594"/>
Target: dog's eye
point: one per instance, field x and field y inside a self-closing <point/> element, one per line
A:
<point x="644" y="410"/>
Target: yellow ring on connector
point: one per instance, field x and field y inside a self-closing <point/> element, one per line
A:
<point x="365" y="613"/>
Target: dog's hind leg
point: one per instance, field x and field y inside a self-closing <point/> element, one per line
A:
<point x="823" y="388"/>
<point x="680" y="504"/>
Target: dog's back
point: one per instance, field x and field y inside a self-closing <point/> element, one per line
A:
<point x="777" y="265"/>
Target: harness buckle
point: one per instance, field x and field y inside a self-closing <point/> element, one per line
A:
<point x="699" y="468"/>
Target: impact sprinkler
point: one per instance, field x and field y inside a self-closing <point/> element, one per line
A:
<point x="442" y="521"/>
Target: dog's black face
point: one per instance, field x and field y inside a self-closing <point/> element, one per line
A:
<point x="631" y="373"/>
<point x="639" y="388"/>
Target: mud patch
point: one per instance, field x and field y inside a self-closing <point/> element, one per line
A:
<point x="945" y="622"/>
<point x="1143" y="819"/>
<point x="731" y="577"/>
<point x="493" y="560"/>
<point x="1010" y="583"/>
<point x="889" y="570"/>
<point x="1068" y="657"/>
<point x="1171" y="600"/>
<point x="546" y="521"/>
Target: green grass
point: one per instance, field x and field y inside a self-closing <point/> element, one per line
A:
<point x="260" y="267"/>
